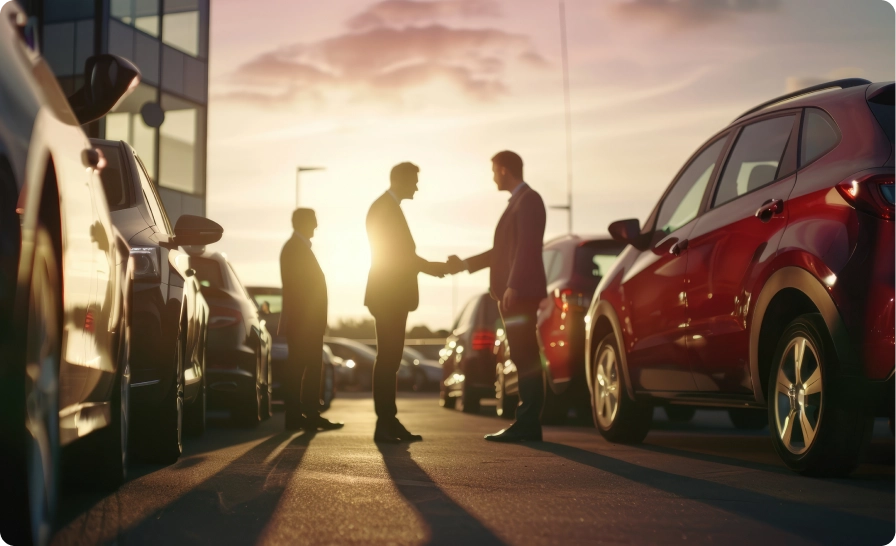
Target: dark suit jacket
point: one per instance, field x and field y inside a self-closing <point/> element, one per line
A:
<point x="515" y="257"/>
<point x="304" y="311"/>
<point x="394" y="264"/>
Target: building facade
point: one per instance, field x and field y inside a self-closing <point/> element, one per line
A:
<point x="168" y="41"/>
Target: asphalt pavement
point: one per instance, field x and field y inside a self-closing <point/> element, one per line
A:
<point x="698" y="483"/>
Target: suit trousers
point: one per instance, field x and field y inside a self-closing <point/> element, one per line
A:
<point x="301" y="389"/>
<point x="390" y="331"/>
<point x="522" y="337"/>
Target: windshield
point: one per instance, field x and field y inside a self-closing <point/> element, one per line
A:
<point x="208" y="272"/>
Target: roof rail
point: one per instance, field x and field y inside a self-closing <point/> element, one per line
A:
<point x="842" y="84"/>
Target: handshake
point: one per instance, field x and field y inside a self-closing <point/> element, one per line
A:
<point x="452" y="266"/>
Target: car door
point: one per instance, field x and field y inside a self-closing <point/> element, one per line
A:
<point x="730" y="246"/>
<point x="654" y="287"/>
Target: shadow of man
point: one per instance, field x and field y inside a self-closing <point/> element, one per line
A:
<point x="234" y="505"/>
<point x="446" y="521"/>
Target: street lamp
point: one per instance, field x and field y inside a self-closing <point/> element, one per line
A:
<point x="568" y="206"/>
<point x="301" y="170"/>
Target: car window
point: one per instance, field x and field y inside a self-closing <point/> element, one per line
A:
<point x="820" y="135"/>
<point x="208" y="272"/>
<point x="754" y="161"/>
<point x="683" y="203"/>
<point x="553" y="264"/>
<point x="160" y="217"/>
<point x="116" y="182"/>
<point x="463" y="321"/>
<point x="592" y="262"/>
<point x="274" y="302"/>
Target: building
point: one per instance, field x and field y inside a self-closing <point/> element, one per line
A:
<point x="168" y="41"/>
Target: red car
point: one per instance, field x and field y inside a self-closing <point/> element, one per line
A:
<point x="763" y="282"/>
<point x="573" y="266"/>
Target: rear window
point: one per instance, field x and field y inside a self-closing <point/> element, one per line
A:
<point x="269" y="303"/>
<point x="881" y="105"/>
<point x="116" y="181"/>
<point x="208" y="272"/>
<point x="492" y="316"/>
<point x="820" y="135"/>
<point x="594" y="261"/>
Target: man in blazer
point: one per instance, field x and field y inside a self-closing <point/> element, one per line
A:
<point x="518" y="284"/>
<point x="392" y="293"/>
<point x="303" y="321"/>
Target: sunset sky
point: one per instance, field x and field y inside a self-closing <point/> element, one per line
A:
<point x="358" y="86"/>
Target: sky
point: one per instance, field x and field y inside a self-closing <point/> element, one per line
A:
<point x="358" y="86"/>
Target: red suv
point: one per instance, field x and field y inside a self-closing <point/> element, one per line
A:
<point x="763" y="279"/>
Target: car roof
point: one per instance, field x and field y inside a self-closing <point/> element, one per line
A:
<point x="816" y="95"/>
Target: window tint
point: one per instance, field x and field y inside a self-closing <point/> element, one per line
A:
<point x="553" y="264"/>
<point x="116" y="181"/>
<point x="208" y="272"/>
<point x="754" y="161"/>
<point x="683" y="202"/>
<point x="820" y="135"/>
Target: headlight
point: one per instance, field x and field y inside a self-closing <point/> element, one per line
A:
<point x="146" y="263"/>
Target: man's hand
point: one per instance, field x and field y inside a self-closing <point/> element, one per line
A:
<point x="438" y="269"/>
<point x="455" y="265"/>
<point x="508" y="302"/>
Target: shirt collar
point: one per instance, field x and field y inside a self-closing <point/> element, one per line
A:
<point x="518" y="189"/>
<point x="304" y="239"/>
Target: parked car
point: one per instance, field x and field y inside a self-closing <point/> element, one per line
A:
<point x="64" y="374"/>
<point x="238" y="350"/>
<point x="417" y="372"/>
<point x="468" y="360"/>
<point x="573" y="266"/>
<point x="357" y="365"/>
<point x="763" y="280"/>
<point x="169" y="316"/>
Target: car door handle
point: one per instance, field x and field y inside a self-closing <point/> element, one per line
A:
<point x="679" y="247"/>
<point x="769" y="209"/>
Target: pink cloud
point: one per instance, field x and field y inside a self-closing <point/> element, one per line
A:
<point x="410" y="12"/>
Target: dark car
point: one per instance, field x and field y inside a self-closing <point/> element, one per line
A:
<point x="763" y="281"/>
<point x="468" y="360"/>
<point x="63" y="372"/>
<point x="573" y="266"/>
<point x="269" y="301"/>
<point x="169" y="316"/>
<point x="357" y="366"/>
<point x="238" y="352"/>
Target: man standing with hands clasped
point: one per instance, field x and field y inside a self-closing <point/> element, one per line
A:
<point x="518" y="284"/>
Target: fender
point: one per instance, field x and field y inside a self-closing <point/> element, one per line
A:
<point x="603" y="308"/>
<point x="805" y="282"/>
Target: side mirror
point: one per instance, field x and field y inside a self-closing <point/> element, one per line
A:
<point x="196" y="230"/>
<point x="627" y="231"/>
<point x="108" y="78"/>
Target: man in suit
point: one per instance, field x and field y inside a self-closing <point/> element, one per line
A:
<point x="518" y="284"/>
<point x="303" y="321"/>
<point x="392" y="293"/>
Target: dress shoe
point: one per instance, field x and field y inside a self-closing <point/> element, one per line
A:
<point x="515" y="433"/>
<point x="322" y="423"/>
<point x="384" y="434"/>
<point x="404" y="434"/>
<point x="298" y="423"/>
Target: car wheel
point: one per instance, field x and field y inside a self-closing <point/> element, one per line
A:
<point x="618" y="418"/>
<point x="469" y="399"/>
<point x="680" y="414"/>
<point x="164" y="442"/>
<point x="556" y="406"/>
<point x="813" y="432"/>
<point x="446" y="400"/>
<point x="507" y="403"/>
<point x="267" y="393"/>
<point x="248" y="407"/>
<point x="748" y="419"/>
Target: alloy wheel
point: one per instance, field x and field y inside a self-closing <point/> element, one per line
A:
<point x="606" y="387"/>
<point x="798" y="396"/>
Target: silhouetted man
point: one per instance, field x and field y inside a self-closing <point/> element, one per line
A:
<point x="303" y="320"/>
<point x="392" y="293"/>
<point x="518" y="284"/>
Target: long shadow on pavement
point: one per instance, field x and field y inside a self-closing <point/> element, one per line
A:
<point x="448" y="522"/>
<point x="231" y="507"/>
<point x="814" y="523"/>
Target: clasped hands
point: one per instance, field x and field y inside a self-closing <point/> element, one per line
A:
<point x="452" y="266"/>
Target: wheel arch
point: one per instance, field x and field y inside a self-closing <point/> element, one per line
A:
<point x="604" y="320"/>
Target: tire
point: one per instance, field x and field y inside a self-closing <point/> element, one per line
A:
<point x="556" y="406"/>
<point x="164" y="439"/>
<point x="267" y="394"/>
<point x="618" y="418"/>
<point x="832" y="434"/>
<point x="247" y="411"/>
<point x="445" y="400"/>
<point x="681" y="414"/>
<point x="748" y="419"/>
<point x="469" y="399"/>
<point x="507" y="403"/>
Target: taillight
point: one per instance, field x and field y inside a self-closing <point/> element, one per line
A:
<point x="220" y="317"/>
<point x="871" y="193"/>
<point x="566" y="298"/>
<point x="483" y="339"/>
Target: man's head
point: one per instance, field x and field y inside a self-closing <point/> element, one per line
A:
<point x="508" y="169"/>
<point x="403" y="179"/>
<point x="304" y="221"/>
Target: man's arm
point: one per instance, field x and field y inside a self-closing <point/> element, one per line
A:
<point x="530" y="222"/>
<point x="479" y="261"/>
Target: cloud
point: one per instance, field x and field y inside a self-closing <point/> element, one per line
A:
<point x="402" y="13"/>
<point x="384" y="62"/>
<point x="689" y="13"/>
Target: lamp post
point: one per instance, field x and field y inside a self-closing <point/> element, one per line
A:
<point x="568" y="206"/>
<point x="300" y="170"/>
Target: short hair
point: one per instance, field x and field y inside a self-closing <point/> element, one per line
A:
<point x="301" y="216"/>
<point x="510" y="161"/>
<point x="403" y="171"/>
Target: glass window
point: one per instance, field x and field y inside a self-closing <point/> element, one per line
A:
<point x="274" y="303"/>
<point x="235" y="281"/>
<point x="126" y="123"/>
<point x="182" y="146"/>
<point x="208" y="272"/>
<point x="116" y="181"/>
<point x="152" y="199"/>
<point x="594" y="262"/>
<point x="683" y="203"/>
<point x="754" y="161"/>
<point x="553" y="264"/>
<point x="140" y="14"/>
<point x="181" y="27"/>
<point x="820" y="134"/>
